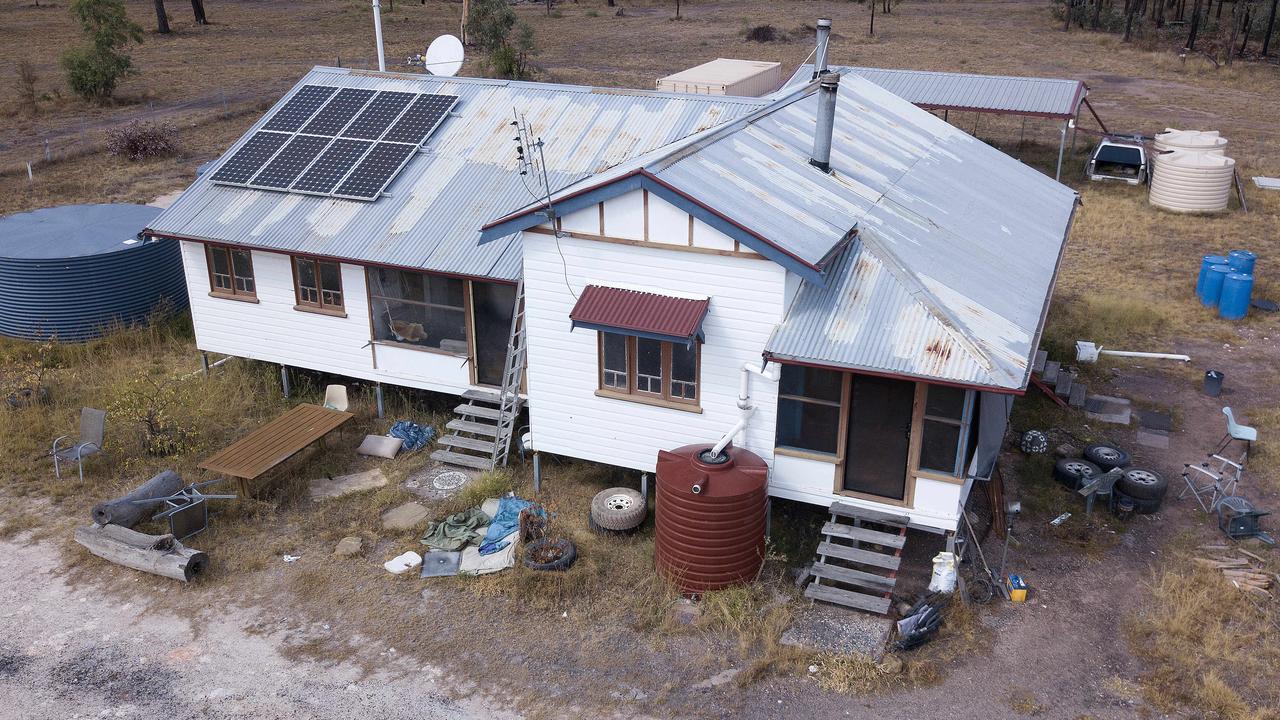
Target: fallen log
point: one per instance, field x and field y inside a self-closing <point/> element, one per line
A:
<point x="156" y="554"/>
<point x="125" y="512"/>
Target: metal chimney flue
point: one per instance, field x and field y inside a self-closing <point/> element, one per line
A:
<point x="828" y="85"/>
<point x="820" y="53"/>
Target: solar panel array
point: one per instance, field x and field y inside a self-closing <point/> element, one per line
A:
<point x="347" y="143"/>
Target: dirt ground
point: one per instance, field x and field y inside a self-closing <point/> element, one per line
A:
<point x="260" y="638"/>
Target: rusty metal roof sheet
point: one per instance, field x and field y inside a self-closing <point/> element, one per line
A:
<point x="467" y="174"/>
<point x="636" y="312"/>
<point x="1040" y="97"/>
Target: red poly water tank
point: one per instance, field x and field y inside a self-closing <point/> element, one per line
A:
<point x="710" y="517"/>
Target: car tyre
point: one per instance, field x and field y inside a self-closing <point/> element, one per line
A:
<point x="1107" y="457"/>
<point x="1143" y="484"/>
<point x="1140" y="506"/>
<point x="1074" y="472"/>
<point x="550" y="555"/>
<point x="618" y="509"/>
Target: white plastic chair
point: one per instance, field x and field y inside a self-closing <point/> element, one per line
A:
<point x="93" y="425"/>
<point x="1224" y="480"/>
<point x="335" y="397"/>
<point x="1236" y="431"/>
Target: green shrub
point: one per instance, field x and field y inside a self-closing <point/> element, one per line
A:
<point x="95" y="67"/>
<point x="506" y="40"/>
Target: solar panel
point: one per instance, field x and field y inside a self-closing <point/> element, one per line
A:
<point x="299" y="108"/>
<point x="377" y="169"/>
<point x="332" y="165"/>
<point x="252" y="155"/>
<point x="289" y="163"/>
<point x="377" y="115"/>
<point x="421" y="119"/>
<point x="338" y="112"/>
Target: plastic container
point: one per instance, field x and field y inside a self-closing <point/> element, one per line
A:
<point x="1207" y="141"/>
<point x="1242" y="261"/>
<point x="1213" y="383"/>
<point x="944" y="572"/>
<point x="1193" y="182"/>
<point x="1207" y="262"/>
<point x="1237" y="291"/>
<point x="1017" y="589"/>
<point x="1212" y="289"/>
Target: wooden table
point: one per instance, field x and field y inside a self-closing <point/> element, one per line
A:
<point x="254" y="454"/>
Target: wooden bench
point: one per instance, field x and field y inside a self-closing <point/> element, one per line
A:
<point x="254" y="454"/>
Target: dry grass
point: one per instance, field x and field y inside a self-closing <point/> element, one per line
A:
<point x="1024" y="702"/>
<point x="1208" y="646"/>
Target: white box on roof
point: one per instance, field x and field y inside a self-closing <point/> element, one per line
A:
<point x="725" y="76"/>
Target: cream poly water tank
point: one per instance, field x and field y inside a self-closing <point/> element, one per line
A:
<point x="1189" y="181"/>
<point x="1192" y="140"/>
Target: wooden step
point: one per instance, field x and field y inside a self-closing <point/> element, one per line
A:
<point x="848" y="598"/>
<point x="863" y="534"/>
<point x="478" y="411"/>
<point x="1050" y="374"/>
<point x="476" y="444"/>
<point x="1078" y="392"/>
<point x="871" y="581"/>
<point x="471" y="461"/>
<point x="487" y="396"/>
<point x="474" y="428"/>
<point x="1062" y="388"/>
<point x="878" y="516"/>
<point x="1042" y="356"/>
<point x="866" y="557"/>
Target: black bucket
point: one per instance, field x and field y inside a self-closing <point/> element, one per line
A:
<point x="1213" y="383"/>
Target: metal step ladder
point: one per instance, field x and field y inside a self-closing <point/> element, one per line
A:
<point x="484" y="424"/>
<point x="858" y="558"/>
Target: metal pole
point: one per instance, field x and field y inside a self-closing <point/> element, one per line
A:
<point x="377" y="392"/>
<point x="644" y="486"/>
<point x="284" y="380"/>
<point x="204" y="363"/>
<point x="377" y="33"/>
<point x="1062" y="146"/>
<point x="537" y="473"/>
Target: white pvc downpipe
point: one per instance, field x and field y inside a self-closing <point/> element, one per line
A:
<point x="744" y="402"/>
<point x="377" y="34"/>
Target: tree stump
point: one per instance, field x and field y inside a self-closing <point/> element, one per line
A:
<point x="125" y="512"/>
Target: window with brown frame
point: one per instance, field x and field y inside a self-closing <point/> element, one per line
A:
<point x="810" y="402"/>
<point x="230" y="271"/>
<point x="649" y="369"/>
<point x="318" y="284"/>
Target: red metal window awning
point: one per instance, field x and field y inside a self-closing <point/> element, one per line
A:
<point x="642" y="314"/>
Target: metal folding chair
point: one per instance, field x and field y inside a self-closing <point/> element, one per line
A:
<point x="93" y="425"/>
<point x="1222" y="481"/>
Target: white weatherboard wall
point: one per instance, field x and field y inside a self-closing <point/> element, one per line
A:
<point x="935" y="504"/>
<point x="746" y="302"/>
<point x="271" y="329"/>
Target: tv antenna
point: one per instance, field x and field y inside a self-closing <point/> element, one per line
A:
<point x="533" y="165"/>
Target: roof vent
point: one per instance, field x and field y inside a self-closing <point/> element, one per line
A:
<point x="820" y="53"/>
<point x="828" y="84"/>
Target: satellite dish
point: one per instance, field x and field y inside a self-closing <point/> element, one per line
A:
<point x="444" y="56"/>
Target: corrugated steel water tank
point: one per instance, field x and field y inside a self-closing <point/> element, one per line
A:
<point x="71" y="272"/>
<point x="711" y="514"/>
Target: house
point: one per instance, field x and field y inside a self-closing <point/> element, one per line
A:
<point x="829" y="276"/>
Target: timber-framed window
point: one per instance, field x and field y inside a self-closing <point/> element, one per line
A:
<point x="230" y="272"/>
<point x="648" y="370"/>
<point x="419" y="310"/>
<point x="810" y="401"/>
<point x="317" y="285"/>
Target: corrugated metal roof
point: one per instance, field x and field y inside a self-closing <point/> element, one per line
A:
<point x="641" y="312"/>
<point x="1049" y="97"/>
<point x="434" y="209"/>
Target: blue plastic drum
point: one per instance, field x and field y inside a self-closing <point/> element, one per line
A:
<point x="1207" y="262"/>
<point x="1212" y="288"/>
<point x="1242" y="261"/>
<point x="1237" y="289"/>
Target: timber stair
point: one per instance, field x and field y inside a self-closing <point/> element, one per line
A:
<point x="484" y="424"/>
<point x="858" y="558"/>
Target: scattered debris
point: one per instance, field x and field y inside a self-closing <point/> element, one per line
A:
<point x="550" y="555"/>
<point x="440" y="563"/>
<point x="290" y="558"/>
<point x="327" y="488"/>
<point x="921" y="622"/>
<point x="413" y="435"/>
<point x="403" y="563"/>
<point x="1060" y="519"/>
<point x="380" y="446"/>
<point x="156" y="554"/>
<point x="1087" y="352"/>
<point x="1240" y="572"/>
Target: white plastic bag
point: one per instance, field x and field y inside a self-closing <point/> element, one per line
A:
<point x="944" y="573"/>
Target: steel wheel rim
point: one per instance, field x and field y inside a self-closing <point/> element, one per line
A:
<point x="619" y="503"/>
<point x="1107" y="453"/>
<point x="1079" y="468"/>
<point x="1142" y="477"/>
